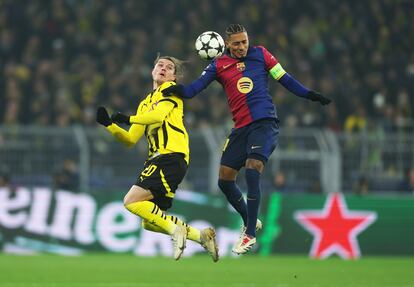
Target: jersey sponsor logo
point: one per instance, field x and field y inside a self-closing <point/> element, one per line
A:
<point x="245" y="85"/>
<point x="241" y="66"/>
<point x="153" y="106"/>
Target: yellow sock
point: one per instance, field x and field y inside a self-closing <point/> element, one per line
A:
<point x="153" y="214"/>
<point x="193" y="233"/>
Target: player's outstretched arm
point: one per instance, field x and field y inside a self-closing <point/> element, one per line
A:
<point x="295" y="87"/>
<point x="129" y="137"/>
<point x="191" y="90"/>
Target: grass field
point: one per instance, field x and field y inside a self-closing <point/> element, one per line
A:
<point x="247" y="271"/>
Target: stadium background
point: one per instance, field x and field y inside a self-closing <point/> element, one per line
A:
<point x="60" y="59"/>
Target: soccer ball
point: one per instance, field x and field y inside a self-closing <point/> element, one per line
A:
<point x="209" y="45"/>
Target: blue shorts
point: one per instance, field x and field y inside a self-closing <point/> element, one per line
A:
<point x="256" y="140"/>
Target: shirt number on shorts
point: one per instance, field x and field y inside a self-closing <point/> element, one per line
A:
<point x="149" y="170"/>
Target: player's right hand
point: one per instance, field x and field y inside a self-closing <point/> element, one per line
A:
<point x="175" y="90"/>
<point x="102" y="117"/>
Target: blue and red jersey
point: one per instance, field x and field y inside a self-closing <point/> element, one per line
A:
<point x="245" y="82"/>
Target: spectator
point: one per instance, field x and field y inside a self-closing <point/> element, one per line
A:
<point x="362" y="186"/>
<point x="67" y="177"/>
<point x="4" y="180"/>
<point x="407" y="185"/>
<point x="73" y="54"/>
<point x="279" y="181"/>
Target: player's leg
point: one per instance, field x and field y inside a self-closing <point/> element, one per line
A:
<point x="154" y="192"/>
<point x="232" y="159"/>
<point x="262" y="140"/>
<point x="254" y="169"/>
<point x="137" y="201"/>
<point x="227" y="184"/>
<point x="193" y="233"/>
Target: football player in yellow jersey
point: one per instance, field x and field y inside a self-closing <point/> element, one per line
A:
<point x="161" y="120"/>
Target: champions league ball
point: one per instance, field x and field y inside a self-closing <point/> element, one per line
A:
<point x="209" y="45"/>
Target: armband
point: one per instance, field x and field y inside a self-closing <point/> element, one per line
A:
<point x="277" y="71"/>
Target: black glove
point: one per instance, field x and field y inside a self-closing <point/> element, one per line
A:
<point x="120" y="118"/>
<point x="102" y="117"/>
<point x="317" y="97"/>
<point x="177" y="90"/>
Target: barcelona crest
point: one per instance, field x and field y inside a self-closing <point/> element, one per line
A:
<point x="241" y="66"/>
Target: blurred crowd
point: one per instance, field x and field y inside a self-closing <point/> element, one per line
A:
<point x="60" y="59"/>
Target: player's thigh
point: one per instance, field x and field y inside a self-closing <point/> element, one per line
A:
<point x="137" y="193"/>
<point x="162" y="176"/>
<point x="234" y="152"/>
<point x="262" y="139"/>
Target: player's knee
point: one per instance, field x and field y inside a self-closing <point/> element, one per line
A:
<point x="227" y="173"/>
<point x="256" y="164"/>
<point x="127" y="200"/>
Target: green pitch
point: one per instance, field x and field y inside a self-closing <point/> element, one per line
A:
<point x="246" y="271"/>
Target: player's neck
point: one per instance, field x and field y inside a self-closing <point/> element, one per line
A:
<point x="156" y="84"/>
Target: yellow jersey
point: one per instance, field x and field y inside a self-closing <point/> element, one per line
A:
<point x="161" y="119"/>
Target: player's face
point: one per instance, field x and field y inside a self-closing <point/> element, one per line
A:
<point x="238" y="44"/>
<point x="164" y="71"/>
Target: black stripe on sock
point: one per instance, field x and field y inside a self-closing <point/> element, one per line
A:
<point x="153" y="209"/>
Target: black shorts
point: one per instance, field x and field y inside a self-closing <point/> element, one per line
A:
<point x="161" y="176"/>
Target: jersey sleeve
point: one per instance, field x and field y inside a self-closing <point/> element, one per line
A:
<point x="272" y="65"/>
<point x="207" y="76"/>
<point x="157" y="114"/>
<point x="270" y="60"/>
<point x="129" y="137"/>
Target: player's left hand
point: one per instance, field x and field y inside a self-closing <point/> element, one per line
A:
<point x="120" y="118"/>
<point x="318" y="97"/>
<point x="175" y="90"/>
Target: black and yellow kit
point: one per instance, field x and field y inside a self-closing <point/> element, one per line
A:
<point x="161" y="120"/>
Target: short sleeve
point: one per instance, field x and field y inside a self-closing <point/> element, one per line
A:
<point x="269" y="59"/>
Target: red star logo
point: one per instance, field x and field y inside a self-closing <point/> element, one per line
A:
<point x="335" y="228"/>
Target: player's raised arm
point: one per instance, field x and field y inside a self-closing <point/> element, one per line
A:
<point x="191" y="90"/>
